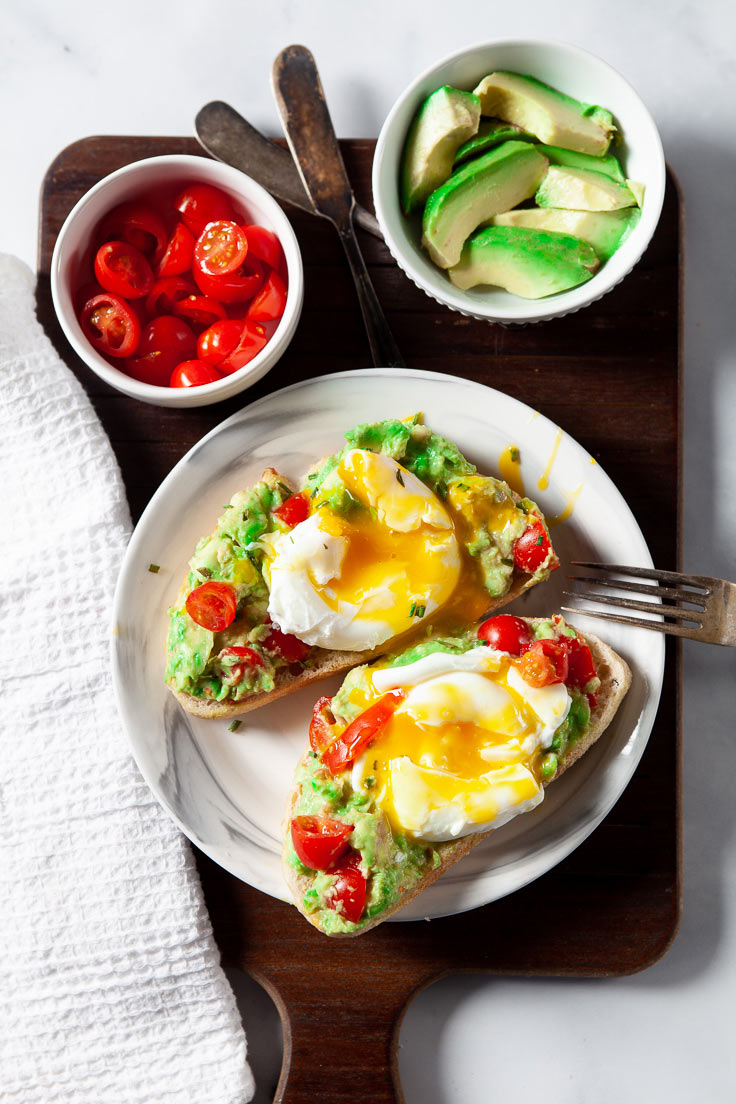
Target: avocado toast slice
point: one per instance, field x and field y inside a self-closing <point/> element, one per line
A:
<point x="381" y="793"/>
<point x="225" y="666"/>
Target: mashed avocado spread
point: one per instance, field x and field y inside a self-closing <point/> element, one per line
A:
<point x="487" y="517"/>
<point x="391" y="862"/>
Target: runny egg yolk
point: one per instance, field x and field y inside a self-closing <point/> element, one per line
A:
<point x="458" y="755"/>
<point x="357" y="577"/>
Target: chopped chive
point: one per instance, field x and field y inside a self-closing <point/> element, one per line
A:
<point x="514" y="454"/>
<point x="442" y="489"/>
<point x="234" y="726"/>
<point x="399" y="478"/>
<point x="415" y="419"/>
<point x="539" y="540"/>
<point x="314" y="492"/>
<point x="312" y="475"/>
<point x="154" y="568"/>
<point x="228" y="506"/>
<point x="204" y="571"/>
<point x="420" y="611"/>
<point x="369" y="783"/>
<point x="284" y="489"/>
<point x="413" y="607"/>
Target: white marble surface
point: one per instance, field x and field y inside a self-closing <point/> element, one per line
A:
<point x="74" y="69"/>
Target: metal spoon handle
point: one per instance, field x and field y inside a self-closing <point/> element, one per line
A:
<point x="313" y="143"/>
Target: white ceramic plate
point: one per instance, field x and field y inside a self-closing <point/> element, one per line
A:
<point x="227" y="790"/>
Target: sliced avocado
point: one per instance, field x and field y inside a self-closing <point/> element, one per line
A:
<point x="637" y="189"/>
<point x="572" y="160"/>
<point x="530" y="263"/>
<point x="491" y="133"/>
<point x="604" y="230"/>
<point x="555" y="118"/>
<point x="582" y="190"/>
<point x="445" y="120"/>
<point x="494" y="182"/>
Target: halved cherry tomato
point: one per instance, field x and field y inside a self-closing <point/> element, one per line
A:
<point x="212" y="605"/>
<point x="320" y="726"/>
<point x="199" y="310"/>
<point x="319" y="841"/>
<point x="270" y="301"/>
<point x="544" y="664"/>
<point x="506" y="633"/>
<point x="289" y="647"/>
<point x="166" y="293"/>
<point x="219" y="340"/>
<point x="199" y="204"/>
<point x="243" y="658"/>
<point x="581" y="668"/>
<point x="233" y="287"/>
<point x="123" y="270"/>
<point x="293" y="509"/>
<point x="165" y="342"/>
<point x="264" y="244"/>
<point x="179" y="252"/>
<point x="349" y="893"/>
<point x="138" y="225"/>
<point x="193" y="373"/>
<point x="220" y="249"/>
<point x="346" y="747"/>
<point x="110" y="325"/>
<point x="253" y="337"/>
<point x="532" y="548"/>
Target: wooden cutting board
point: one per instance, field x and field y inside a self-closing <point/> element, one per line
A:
<point x="611" y="376"/>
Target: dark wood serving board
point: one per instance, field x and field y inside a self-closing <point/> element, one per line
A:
<point x="611" y="376"/>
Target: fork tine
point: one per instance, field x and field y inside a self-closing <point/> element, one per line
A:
<point x="643" y="588"/>
<point x="702" y="581"/>
<point x="638" y="622"/>
<point x="694" y="616"/>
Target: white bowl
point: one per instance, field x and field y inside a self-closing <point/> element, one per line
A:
<point x="572" y="71"/>
<point x="71" y="266"/>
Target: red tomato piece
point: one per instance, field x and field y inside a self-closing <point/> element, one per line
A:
<point x="253" y="337"/>
<point x="532" y="548"/>
<point x="349" y="893"/>
<point x="346" y="747"/>
<point x="219" y="340"/>
<point x="544" y="664"/>
<point x="123" y="270"/>
<point x="110" y="325"/>
<point x="138" y="225"/>
<point x="319" y="841"/>
<point x="233" y="287"/>
<point x="289" y="647"/>
<point x="165" y="342"/>
<point x="269" y="303"/>
<point x="293" y="509"/>
<point x="199" y="310"/>
<point x="581" y="668"/>
<point x="199" y="204"/>
<point x="320" y="726"/>
<point x="193" y="373"/>
<point x="220" y="249"/>
<point x="506" y="633"/>
<point x="212" y="605"/>
<point x="179" y="252"/>
<point x="264" y="244"/>
<point x="238" y="658"/>
<point x="166" y="293"/>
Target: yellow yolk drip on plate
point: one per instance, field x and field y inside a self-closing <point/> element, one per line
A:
<point x="458" y="755"/>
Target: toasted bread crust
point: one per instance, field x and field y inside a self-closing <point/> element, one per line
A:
<point x="615" y="677"/>
<point x="325" y="662"/>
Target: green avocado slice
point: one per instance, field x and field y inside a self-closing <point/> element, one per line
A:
<point x="529" y="263"/>
<point x="491" y="132"/>
<point x="604" y="230"/>
<point x="609" y="165"/>
<point x="555" y="118"/>
<point x="494" y="182"/>
<point x="445" y="120"/>
<point x="581" y="190"/>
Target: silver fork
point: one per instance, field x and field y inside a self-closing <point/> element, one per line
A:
<point x="712" y="620"/>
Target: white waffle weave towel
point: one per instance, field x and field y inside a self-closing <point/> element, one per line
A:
<point x="111" y="990"/>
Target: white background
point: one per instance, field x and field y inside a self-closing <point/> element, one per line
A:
<point x="72" y="69"/>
